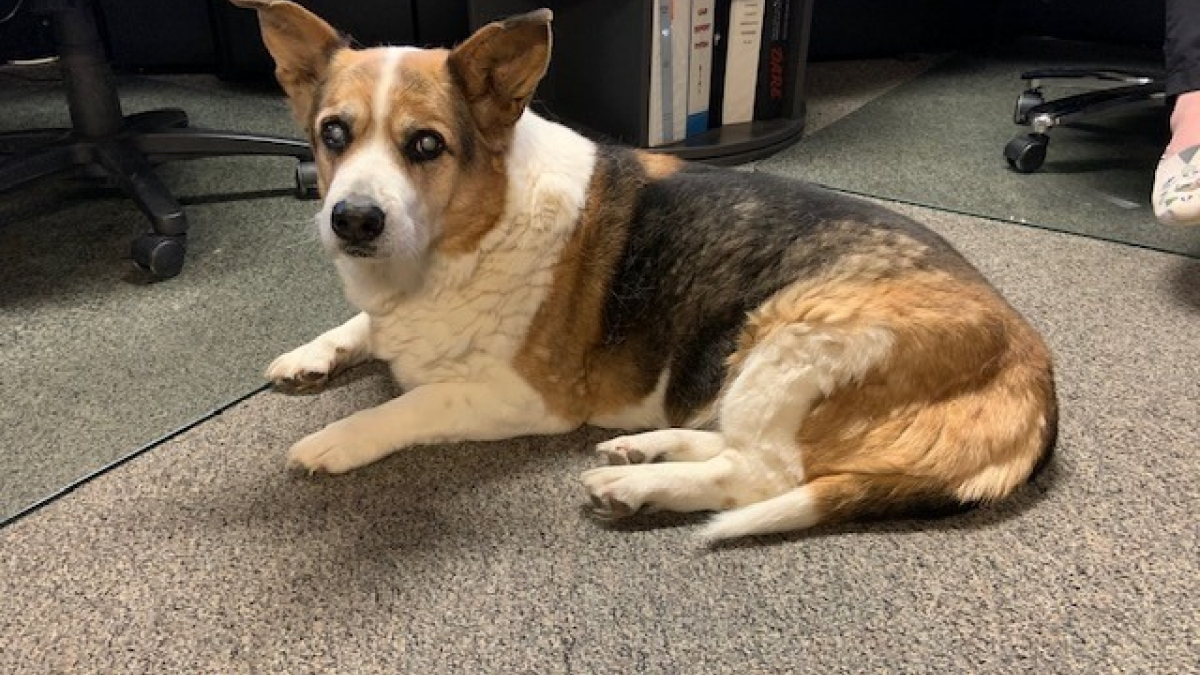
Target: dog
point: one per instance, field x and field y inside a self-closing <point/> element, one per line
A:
<point x="788" y="356"/>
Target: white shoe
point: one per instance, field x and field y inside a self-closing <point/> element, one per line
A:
<point x="1176" y="196"/>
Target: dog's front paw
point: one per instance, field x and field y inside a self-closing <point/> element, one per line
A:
<point x="615" y="491"/>
<point x="334" y="449"/>
<point x="304" y="370"/>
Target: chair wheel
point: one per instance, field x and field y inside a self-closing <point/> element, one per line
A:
<point x="306" y="180"/>
<point x="1028" y="100"/>
<point x="1026" y="152"/>
<point x="159" y="254"/>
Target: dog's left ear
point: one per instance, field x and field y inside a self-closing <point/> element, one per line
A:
<point x="499" y="67"/>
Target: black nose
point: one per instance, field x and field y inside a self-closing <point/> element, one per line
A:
<point x="357" y="222"/>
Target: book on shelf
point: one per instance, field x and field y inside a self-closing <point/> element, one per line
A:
<point x="716" y="63"/>
<point x="700" y="66"/>
<point x="773" y="70"/>
<point x="671" y="43"/>
<point x="744" y="41"/>
<point x="720" y="49"/>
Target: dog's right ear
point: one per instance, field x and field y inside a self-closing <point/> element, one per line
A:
<point x="500" y="66"/>
<point x="302" y="46"/>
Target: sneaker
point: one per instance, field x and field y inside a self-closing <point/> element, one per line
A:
<point x="1176" y="197"/>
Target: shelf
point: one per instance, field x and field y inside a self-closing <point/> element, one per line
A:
<point x="738" y="143"/>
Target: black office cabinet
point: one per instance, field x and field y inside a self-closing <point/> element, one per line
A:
<point x="157" y="35"/>
<point x="441" y="23"/>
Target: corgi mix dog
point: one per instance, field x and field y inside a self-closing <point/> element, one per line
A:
<point x="791" y="356"/>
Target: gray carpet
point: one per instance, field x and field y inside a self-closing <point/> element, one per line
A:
<point x="938" y="139"/>
<point x="95" y="363"/>
<point x="205" y="555"/>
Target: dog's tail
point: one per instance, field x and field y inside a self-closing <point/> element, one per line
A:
<point x="837" y="498"/>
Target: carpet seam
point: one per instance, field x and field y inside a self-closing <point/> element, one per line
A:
<point x="49" y="499"/>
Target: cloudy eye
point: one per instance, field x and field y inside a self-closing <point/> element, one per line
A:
<point x="335" y="135"/>
<point x="425" y="146"/>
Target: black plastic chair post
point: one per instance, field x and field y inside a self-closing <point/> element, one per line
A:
<point x="91" y="89"/>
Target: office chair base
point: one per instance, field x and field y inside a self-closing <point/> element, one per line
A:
<point x="1027" y="101"/>
<point x="126" y="160"/>
<point x="1027" y="152"/>
<point x="306" y="181"/>
<point x="160" y="255"/>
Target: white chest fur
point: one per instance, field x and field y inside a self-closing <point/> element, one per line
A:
<point x="472" y="311"/>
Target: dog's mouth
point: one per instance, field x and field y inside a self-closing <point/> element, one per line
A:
<point x="359" y="250"/>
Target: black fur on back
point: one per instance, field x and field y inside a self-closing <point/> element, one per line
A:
<point x="706" y="246"/>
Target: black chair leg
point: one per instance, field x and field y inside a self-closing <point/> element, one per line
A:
<point x="137" y="178"/>
<point x="15" y="142"/>
<point x="26" y="167"/>
<point x="161" y="252"/>
<point x="183" y="143"/>
<point x="156" y="120"/>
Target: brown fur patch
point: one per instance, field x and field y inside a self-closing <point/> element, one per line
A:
<point x="842" y="497"/>
<point x="347" y="93"/>
<point x="966" y="388"/>
<point x="564" y="355"/>
<point x="657" y="165"/>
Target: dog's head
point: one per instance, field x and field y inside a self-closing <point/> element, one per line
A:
<point x="409" y="143"/>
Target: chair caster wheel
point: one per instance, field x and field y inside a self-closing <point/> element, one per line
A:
<point x="1028" y="100"/>
<point x="159" y="254"/>
<point x="306" y="180"/>
<point x="1026" y="152"/>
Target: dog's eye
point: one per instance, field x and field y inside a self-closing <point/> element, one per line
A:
<point x="425" y="146"/>
<point x="335" y="135"/>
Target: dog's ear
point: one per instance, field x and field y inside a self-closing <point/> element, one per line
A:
<point x="499" y="67"/>
<point x="302" y="46"/>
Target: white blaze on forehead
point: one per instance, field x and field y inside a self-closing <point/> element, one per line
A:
<point x="381" y="104"/>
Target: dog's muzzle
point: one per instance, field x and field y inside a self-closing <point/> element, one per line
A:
<point x="357" y="222"/>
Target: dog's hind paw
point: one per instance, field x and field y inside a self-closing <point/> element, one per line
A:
<point x="663" y="445"/>
<point x="609" y="508"/>
<point x="613" y="491"/>
<point x="621" y="451"/>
